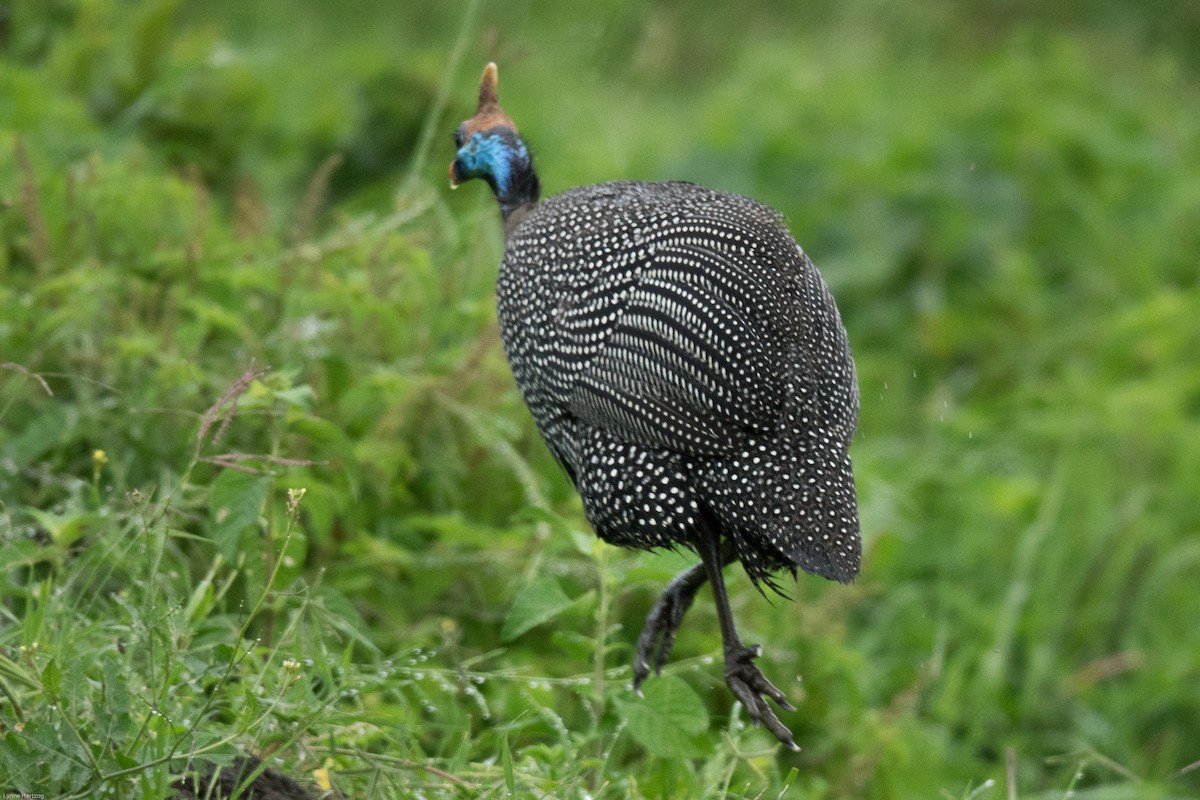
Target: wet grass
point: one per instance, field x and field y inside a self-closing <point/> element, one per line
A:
<point x="266" y="485"/>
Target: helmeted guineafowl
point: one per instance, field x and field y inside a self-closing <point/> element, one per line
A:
<point x="688" y="368"/>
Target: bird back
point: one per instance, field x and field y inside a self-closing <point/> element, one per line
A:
<point x="682" y="356"/>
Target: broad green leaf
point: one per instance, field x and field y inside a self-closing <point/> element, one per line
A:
<point x="74" y="683"/>
<point x="331" y="440"/>
<point x="45" y="432"/>
<point x="20" y="554"/>
<point x="668" y="719"/>
<point x="18" y="756"/>
<point x="63" y="529"/>
<point x="341" y="614"/>
<point x="536" y="603"/>
<point x="115" y="691"/>
<point x="234" y="504"/>
<point x="52" y="679"/>
<point x="59" y="765"/>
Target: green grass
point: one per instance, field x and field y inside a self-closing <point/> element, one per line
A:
<point x="266" y="484"/>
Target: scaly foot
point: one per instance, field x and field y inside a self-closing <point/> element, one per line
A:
<point x="662" y="624"/>
<point x="751" y="688"/>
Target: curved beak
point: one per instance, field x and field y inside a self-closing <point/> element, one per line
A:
<point x="454" y="174"/>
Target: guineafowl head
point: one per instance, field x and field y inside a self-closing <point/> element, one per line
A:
<point x="490" y="148"/>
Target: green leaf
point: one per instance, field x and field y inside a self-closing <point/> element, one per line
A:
<point x="18" y="756"/>
<point x="536" y="603"/>
<point x="116" y="692"/>
<point x="510" y="778"/>
<point x="234" y="504"/>
<point x="301" y="397"/>
<point x="292" y="548"/>
<point x="52" y="680"/>
<point x="341" y="614"/>
<point x="668" y="720"/>
<point x="331" y="440"/>
<point x="59" y="766"/>
<point x="74" y="682"/>
<point x="16" y="554"/>
<point x="42" y="434"/>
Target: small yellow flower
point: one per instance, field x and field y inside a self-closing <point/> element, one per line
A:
<point x="99" y="458"/>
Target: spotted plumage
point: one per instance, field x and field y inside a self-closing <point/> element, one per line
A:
<point x="688" y="368"/>
<point x="678" y="349"/>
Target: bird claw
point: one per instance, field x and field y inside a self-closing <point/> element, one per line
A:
<point x="751" y="688"/>
<point x="662" y="624"/>
<point x="658" y="637"/>
<point x="747" y="682"/>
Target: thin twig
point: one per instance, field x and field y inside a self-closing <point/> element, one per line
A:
<point x="39" y="238"/>
<point x="281" y="460"/>
<point x="314" y="196"/>
<point x="235" y="461"/>
<point x="28" y="373"/>
<point x="395" y="761"/>
<point x="195" y="236"/>
<point x="250" y="213"/>
<point x="1010" y="771"/>
<point x="441" y="100"/>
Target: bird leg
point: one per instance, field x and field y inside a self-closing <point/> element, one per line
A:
<point x="662" y="623"/>
<point x="745" y="680"/>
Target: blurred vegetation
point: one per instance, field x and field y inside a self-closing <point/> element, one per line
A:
<point x="266" y="484"/>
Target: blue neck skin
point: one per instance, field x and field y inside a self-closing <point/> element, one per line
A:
<point x="500" y="157"/>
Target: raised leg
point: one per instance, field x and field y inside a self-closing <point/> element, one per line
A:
<point x="745" y="680"/>
<point x="662" y="623"/>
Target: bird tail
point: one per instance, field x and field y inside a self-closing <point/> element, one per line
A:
<point x="789" y="505"/>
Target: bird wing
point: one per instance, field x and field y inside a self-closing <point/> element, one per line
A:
<point x="689" y="361"/>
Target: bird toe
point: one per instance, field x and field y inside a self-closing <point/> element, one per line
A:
<point x="751" y="688"/>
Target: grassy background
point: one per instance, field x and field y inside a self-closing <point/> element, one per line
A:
<point x="230" y="270"/>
